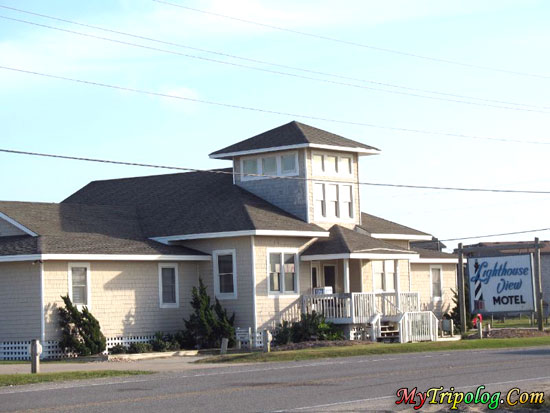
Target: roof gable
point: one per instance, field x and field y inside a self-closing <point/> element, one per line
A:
<point x="289" y="136"/>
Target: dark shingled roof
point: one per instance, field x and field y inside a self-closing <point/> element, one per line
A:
<point x="293" y="133"/>
<point x="344" y="241"/>
<point x="432" y="254"/>
<point x="376" y="225"/>
<point x="190" y="203"/>
<point x="80" y="229"/>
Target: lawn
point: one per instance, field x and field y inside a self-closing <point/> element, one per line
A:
<point x="377" y="349"/>
<point x="27" y="378"/>
<point x="515" y="322"/>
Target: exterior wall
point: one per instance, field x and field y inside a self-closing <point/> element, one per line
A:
<point x="420" y="277"/>
<point x="19" y="301"/>
<point x="288" y="194"/>
<point x="272" y="309"/>
<point x="354" y="180"/>
<point x="366" y="276"/>
<point x="124" y="297"/>
<point x="243" y="305"/>
<point x="7" y="229"/>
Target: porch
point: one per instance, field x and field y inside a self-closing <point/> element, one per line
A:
<point x="389" y="316"/>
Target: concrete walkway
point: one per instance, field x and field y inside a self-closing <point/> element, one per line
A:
<point x="159" y="364"/>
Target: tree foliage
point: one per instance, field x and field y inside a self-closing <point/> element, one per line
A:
<point x="80" y="330"/>
<point x="208" y="323"/>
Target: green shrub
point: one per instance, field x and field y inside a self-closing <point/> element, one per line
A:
<point x="208" y="324"/>
<point x="312" y="326"/>
<point x="118" y="349"/>
<point x="165" y="342"/>
<point x="139" y="348"/>
<point x="80" y="330"/>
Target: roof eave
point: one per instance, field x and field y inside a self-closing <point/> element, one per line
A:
<point x="406" y="237"/>
<point x="244" y="233"/>
<point x="358" y="150"/>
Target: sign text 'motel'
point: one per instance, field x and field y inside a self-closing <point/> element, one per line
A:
<point x="501" y="284"/>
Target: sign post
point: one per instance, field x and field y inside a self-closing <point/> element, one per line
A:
<point x="538" y="286"/>
<point x="461" y="292"/>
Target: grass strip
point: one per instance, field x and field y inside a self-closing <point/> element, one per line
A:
<point x="27" y="378"/>
<point x="376" y="349"/>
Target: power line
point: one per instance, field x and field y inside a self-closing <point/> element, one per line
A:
<point x="351" y="43"/>
<point x="273" y="112"/>
<point x="217" y="171"/>
<point x="266" y="62"/>
<point x="495" y="235"/>
<point x="339" y="83"/>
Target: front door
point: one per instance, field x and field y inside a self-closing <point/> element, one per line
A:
<point x="330" y="276"/>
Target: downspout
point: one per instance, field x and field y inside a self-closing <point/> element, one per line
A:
<point x="254" y="321"/>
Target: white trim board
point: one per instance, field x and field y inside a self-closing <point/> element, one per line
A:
<point x="17" y="225"/>
<point x="434" y="261"/>
<point x="358" y="150"/>
<point x="244" y="233"/>
<point x="403" y="237"/>
<point x="355" y="255"/>
<point x="103" y="257"/>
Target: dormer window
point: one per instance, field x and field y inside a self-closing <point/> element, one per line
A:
<point x="332" y="165"/>
<point x="270" y="165"/>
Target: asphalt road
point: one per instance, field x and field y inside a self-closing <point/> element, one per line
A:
<point x="350" y="384"/>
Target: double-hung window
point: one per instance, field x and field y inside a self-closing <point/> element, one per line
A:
<point x="436" y="285"/>
<point x="79" y="284"/>
<point x="282" y="272"/>
<point x="168" y="286"/>
<point x="383" y="273"/>
<point x="225" y="274"/>
<point x="333" y="201"/>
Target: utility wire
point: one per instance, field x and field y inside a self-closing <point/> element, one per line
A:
<point x="397" y="92"/>
<point x="495" y="235"/>
<point x="224" y="172"/>
<point x="351" y="43"/>
<point x="273" y="112"/>
<point x="269" y="63"/>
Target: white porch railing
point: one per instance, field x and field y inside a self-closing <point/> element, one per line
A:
<point x="359" y="308"/>
<point x="418" y="326"/>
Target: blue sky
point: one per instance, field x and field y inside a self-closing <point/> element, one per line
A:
<point x="55" y="116"/>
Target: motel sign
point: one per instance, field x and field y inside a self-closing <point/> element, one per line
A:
<point x="501" y="284"/>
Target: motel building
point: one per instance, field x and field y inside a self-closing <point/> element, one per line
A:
<point x="279" y="231"/>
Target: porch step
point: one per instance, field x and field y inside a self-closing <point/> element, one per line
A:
<point x="389" y="332"/>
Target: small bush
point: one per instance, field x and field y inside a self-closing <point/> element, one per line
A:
<point x="80" y="330"/>
<point x="165" y="342"/>
<point x="208" y="323"/>
<point x="312" y="326"/>
<point x="139" y="348"/>
<point x="118" y="349"/>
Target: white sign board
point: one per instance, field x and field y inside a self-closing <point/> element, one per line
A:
<point x="501" y="284"/>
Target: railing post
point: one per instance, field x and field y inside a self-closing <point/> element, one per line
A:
<point x="352" y="307"/>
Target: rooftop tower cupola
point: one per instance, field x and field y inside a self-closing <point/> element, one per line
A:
<point x="308" y="172"/>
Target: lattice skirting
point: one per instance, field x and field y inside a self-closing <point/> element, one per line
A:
<point x="21" y="350"/>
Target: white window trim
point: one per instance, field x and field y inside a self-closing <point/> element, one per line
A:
<point x="440" y="268"/>
<point x="176" y="272"/>
<point x="319" y="218"/>
<point x="385" y="277"/>
<point x="219" y="295"/>
<point x="282" y="293"/>
<point x="259" y="166"/>
<point x="88" y="283"/>
<point x="339" y="173"/>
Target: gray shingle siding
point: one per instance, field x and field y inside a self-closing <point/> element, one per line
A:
<point x="288" y="194"/>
